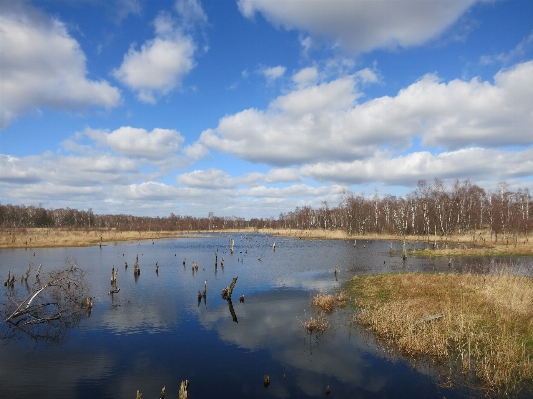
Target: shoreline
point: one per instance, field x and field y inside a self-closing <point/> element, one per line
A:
<point x="452" y="246"/>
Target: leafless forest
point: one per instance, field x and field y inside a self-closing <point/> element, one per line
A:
<point x="463" y="208"/>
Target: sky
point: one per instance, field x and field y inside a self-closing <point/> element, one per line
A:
<point x="251" y="108"/>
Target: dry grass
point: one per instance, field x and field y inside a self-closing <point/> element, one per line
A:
<point x="327" y="302"/>
<point x="486" y="327"/>
<point x="317" y="324"/>
<point x="324" y="302"/>
<point x="40" y="238"/>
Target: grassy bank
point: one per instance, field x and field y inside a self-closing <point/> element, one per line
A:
<point x="41" y="238"/>
<point x="479" y="326"/>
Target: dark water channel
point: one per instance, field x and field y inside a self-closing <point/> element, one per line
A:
<point x="155" y="333"/>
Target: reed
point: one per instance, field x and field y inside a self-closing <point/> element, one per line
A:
<point x="482" y="324"/>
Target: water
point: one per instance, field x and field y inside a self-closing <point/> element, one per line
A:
<point x="154" y="333"/>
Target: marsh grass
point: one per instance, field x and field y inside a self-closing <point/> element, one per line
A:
<point x="72" y="237"/>
<point x="483" y="324"/>
<point x="317" y="324"/>
<point x="324" y="302"/>
<point x="327" y="302"/>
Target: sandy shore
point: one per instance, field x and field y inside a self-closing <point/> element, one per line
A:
<point x="452" y="246"/>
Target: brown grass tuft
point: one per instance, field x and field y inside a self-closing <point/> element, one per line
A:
<point x="327" y="302"/>
<point x="316" y="324"/>
<point x="324" y="302"/>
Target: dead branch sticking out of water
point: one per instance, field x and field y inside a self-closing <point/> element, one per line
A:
<point x="50" y="307"/>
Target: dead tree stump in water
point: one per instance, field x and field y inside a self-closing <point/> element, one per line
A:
<point x="226" y="292"/>
<point x="184" y="387"/>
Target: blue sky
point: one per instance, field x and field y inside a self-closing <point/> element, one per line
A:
<point x="254" y="107"/>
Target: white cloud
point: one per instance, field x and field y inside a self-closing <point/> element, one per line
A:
<point x="293" y="191"/>
<point x="158" y="144"/>
<point x="323" y="123"/>
<point x="94" y="169"/>
<point x="14" y="170"/>
<point x="273" y="73"/>
<point x="462" y="113"/>
<point x="196" y="151"/>
<point x="362" y="25"/>
<point x="283" y="175"/>
<point x="217" y="179"/>
<point x="297" y="128"/>
<point x="306" y="43"/>
<point x="367" y="75"/>
<point x="209" y="179"/>
<point x="160" y="64"/>
<point x="191" y="11"/>
<point x="305" y="77"/>
<point x="149" y="191"/>
<point x="474" y="163"/>
<point x="124" y="8"/>
<point x="41" y="65"/>
<point x="518" y="51"/>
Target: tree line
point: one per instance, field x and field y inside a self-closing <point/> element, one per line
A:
<point x="430" y="209"/>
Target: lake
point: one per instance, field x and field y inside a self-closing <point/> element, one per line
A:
<point x="155" y="332"/>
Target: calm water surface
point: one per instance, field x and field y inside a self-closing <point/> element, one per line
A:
<point x="155" y="333"/>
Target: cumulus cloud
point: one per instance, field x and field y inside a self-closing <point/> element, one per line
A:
<point x="367" y="75"/>
<point x="160" y="64"/>
<point x="323" y="123"/>
<point x="361" y="25"/>
<point x="196" y="151"/>
<point x="283" y="175"/>
<point x="305" y="77"/>
<point x="139" y="143"/>
<point x="475" y="163"/>
<point x="273" y="73"/>
<point x="217" y="179"/>
<point x="210" y="178"/>
<point x="66" y="170"/>
<point x="41" y="65"/>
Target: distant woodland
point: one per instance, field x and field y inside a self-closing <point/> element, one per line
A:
<point x="431" y="209"/>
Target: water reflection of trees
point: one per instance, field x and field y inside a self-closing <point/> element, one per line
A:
<point x="47" y="308"/>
